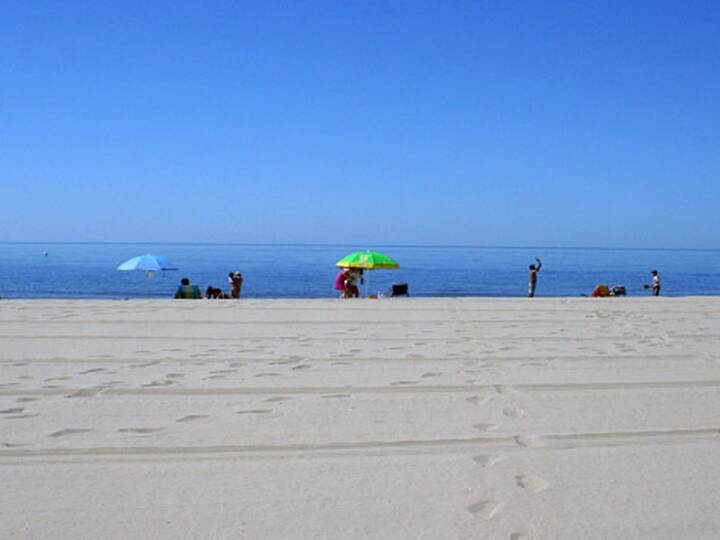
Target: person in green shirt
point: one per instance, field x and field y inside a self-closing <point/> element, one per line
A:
<point x="185" y="290"/>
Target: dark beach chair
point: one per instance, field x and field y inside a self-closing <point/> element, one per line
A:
<point x="399" y="289"/>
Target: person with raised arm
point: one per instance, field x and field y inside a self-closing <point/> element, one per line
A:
<point x="533" y="277"/>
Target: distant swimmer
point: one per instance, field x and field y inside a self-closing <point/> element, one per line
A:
<point x="45" y="253"/>
<point x="533" y="277"/>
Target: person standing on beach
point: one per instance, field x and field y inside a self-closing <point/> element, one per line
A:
<point x="235" y="280"/>
<point x="655" y="283"/>
<point x="351" y="282"/>
<point x="533" y="277"/>
<point x="340" y="282"/>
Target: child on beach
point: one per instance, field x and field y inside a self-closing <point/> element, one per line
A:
<point x="533" y="277"/>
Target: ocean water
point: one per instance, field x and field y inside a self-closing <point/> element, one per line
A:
<point x="308" y="271"/>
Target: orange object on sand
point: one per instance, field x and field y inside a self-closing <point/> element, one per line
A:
<point x="601" y="290"/>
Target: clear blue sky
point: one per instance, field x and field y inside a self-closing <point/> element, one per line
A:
<point x="512" y="123"/>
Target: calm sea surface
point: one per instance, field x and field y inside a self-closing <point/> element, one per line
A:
<point x="89" y="270"/>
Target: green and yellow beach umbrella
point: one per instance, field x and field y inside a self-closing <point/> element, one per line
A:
<point x="367" y="260"/>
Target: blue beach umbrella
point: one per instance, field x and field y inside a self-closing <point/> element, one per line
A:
<point x="149" y="263"/>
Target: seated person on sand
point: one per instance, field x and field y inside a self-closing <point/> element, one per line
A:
<point x="212" y="293"/>
<point x="185" y="290"/>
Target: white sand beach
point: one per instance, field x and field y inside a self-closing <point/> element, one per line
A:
<point x="326" y="419"/>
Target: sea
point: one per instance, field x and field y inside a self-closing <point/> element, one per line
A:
<point x="89" y="270"/>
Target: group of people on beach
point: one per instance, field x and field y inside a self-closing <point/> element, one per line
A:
<point x="347" y="281"/>
<point x="188" y="291"/>
<point x="600" y="290"/>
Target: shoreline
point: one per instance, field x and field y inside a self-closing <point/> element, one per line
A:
<point x="351" y="300"/>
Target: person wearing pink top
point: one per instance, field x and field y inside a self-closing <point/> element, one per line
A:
<point x="340" y="282"/>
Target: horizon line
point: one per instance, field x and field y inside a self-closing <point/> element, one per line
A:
<point x="332" y="244"/>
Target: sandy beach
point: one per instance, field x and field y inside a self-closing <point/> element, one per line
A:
<point x="307" y="419"/>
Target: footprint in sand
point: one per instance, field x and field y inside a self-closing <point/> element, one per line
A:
<point x="158" y="383"/>
<point x="140" y="431"/>
<point x="477" y="400"/>
<point x="191" y="417"/>
<point x="145" y="364"/>
<point x="20" y="416"/>
<point x="335" y="396"/>
<point x="515" y="412"/>
<point x="283" y="362"/>
<point x="484" y="426"/>
<point x="484" y="510"/>
<point x="69" y="431"/>
<point x="531" y="483"/>
<point x="431" y="374"/>
<point x="174" y="375"/>
<point x="84" y="392"/>
<point x="487" y="460"/>
<point x="401" y="383"/>
<point x="277" y="399"/>
<point x="94" y="370"/>
<point x="15" y="410"/>
<point x="301" y="366"/>
<point x="26" y="399"/>
<point x="255" y="411"/>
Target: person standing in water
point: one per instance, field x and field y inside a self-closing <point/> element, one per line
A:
<point x="533" y="277"/>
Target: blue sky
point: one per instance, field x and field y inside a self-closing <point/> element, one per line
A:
<point x="483" y="123"/>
